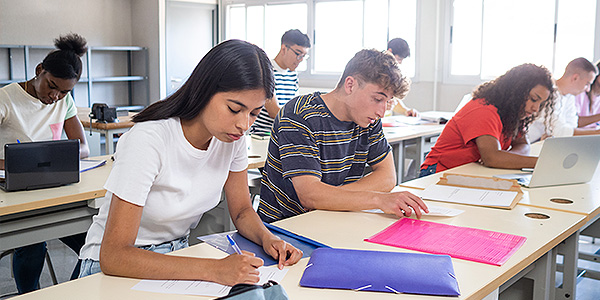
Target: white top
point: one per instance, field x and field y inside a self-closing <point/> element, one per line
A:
<point x="564" y="119"/>
<point x="157" y="168"/>
<point x="25" y="118"/>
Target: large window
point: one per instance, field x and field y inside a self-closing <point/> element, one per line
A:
<point x="337" y="29"/>
<point x="488" y="37"/>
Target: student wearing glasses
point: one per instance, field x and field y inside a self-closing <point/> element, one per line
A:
<point x="294" y="49"/>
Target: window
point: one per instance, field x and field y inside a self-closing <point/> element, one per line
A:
<point x="338" y="29"/>
<point x="488" y="37"/>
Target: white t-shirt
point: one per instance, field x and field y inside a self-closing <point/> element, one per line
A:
<point x="25" y="118"/>
<point x="157" y="168"/>
<point x="564" y="119"/>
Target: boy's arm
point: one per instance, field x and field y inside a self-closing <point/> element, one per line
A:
<point x="272" y="107"/>
<point x="314" y="194"/>
<point x="381" y="179"/>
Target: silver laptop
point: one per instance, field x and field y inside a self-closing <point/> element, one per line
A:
<point x="37" y="165"/>
<point x="564" y="160"/>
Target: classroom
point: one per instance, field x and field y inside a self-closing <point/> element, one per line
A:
<point x="135" y="53"/>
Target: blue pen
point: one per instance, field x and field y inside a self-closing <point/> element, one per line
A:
<point x="18" y="141"/>
<point x="234" y="245"/>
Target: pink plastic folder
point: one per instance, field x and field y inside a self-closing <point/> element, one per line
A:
<point x="472" y="244"/>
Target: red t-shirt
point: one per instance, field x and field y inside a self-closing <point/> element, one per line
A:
<point x="456" y="145"/>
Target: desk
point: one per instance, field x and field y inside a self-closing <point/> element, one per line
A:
<point x="28" y="217"/>
<point x="585" y="201"/>
<point x="257" y="151"/>
<point x="348" y="229"/>
<point x="424" y="137"/>
<point x="106" y="129"/>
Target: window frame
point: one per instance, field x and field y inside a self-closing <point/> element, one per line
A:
<point x="448" y="78"/>
<point x="309" y="77"/>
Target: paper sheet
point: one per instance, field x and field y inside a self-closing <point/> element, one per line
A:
<point x="468" y="195"/>
<point x="472" y="244"/>
<point x="88" y="164"/>
<point x="1" y="173"/>
<point x="434" y="211"/>
<point x="203" y="288"/>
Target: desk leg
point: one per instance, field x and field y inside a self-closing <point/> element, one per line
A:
<point x="398" y="154"/>
<point x="570" y="250"/>
<point x="110" y="142"/>
<point x="492" y="296"/>
<point x="544" y="276"/>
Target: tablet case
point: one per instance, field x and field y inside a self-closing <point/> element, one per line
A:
<point x="393" y="272"/>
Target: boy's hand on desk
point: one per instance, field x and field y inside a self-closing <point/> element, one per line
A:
<point x="285" y="253"/>
<point x="237" y="268"/>
<point x="402" y="204"/>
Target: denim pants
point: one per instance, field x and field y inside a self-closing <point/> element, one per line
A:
<point x="90" y="266"/>
<point x="28" y="262"/>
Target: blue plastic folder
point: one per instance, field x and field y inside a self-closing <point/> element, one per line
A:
<point x="379" y="271"/>
<point x="220" y="242"/>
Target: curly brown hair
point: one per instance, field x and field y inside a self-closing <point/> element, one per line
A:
<point x="372" y="66"/>
<point x="509" y="93"/>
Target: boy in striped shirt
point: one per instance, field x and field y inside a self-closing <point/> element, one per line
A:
<point x="321" y="144"/>
<point x="294" y="49"/>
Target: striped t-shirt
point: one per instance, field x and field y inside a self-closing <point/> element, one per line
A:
<point x="286" y="88"/>
<point x="307" y="139"/>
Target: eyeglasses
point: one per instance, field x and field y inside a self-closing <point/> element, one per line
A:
<point x="299" y="55"/>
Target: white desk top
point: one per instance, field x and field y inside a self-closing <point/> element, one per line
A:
<point x="585" y="197"/>
<point x="347" y="230"/>
<point x="90" y="186"/>
<point x="401" y="133"/>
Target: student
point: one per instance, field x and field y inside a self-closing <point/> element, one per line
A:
<point x="170" y="169"/>
<point x="400" y="49"/>
<point x="491" y="128"/>
<point x="37" y="110"/>
<point x="577" y="78"/>
<point x="321" y="144"/>
<point x="588" y="105"/>
<point x="294" y="49"/>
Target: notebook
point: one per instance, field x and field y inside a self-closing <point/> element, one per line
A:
<point x="36" y="165"/>
<point x="379" y="271"/>
<point x="562" y="160"/>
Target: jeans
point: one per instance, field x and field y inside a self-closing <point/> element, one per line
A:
<point x="28" y="262"/>
<point x="428" y="171"/>
<point x="90" y="266"/>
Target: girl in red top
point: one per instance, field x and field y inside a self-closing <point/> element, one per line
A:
<point x="491" y="128"/>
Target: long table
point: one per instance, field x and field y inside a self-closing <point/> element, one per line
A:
<point x="582" y="199"/>
<point x="28" y="217"/>
<point x="348" y="230"/>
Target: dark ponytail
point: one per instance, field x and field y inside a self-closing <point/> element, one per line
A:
<point x="233" y="65"/>
<point x="65" y="62"/>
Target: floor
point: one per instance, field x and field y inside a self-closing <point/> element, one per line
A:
<point x="64" y="259"/>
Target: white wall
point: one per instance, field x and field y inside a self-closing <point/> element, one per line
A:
<point x="102" y="23"/>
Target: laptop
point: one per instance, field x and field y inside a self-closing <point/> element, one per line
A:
<point x="563" y="160"/>
<point x="37" y="165"/>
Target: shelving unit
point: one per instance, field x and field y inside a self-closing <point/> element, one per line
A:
<point x="130" y="76"/>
